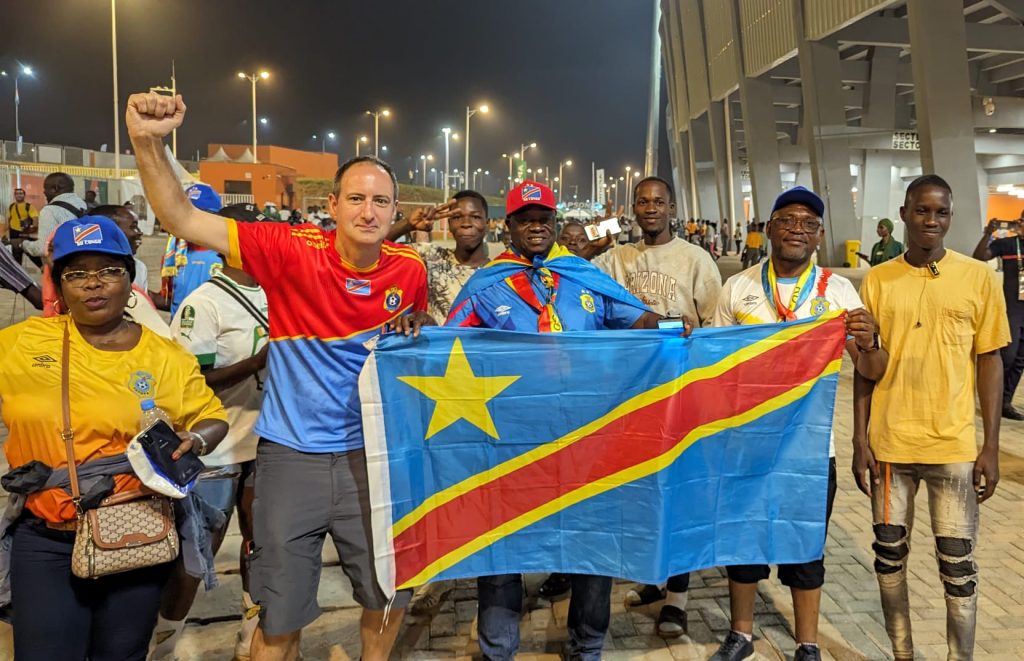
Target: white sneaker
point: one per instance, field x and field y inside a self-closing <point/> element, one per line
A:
<point x="243" y="640"/>
<point x="165" y="637"/>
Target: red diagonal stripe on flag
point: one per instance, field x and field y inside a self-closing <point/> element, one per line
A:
<point x="624" y="442"/>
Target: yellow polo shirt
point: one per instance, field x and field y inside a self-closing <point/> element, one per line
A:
<point x="922" y="410"/>
<point x="106" y="391"/>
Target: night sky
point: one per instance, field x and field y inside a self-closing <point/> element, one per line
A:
<point x="571" y="75"/>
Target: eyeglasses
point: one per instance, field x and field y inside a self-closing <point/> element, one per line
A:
<point x="109" y="275"/>
<point x="808" y="225"/>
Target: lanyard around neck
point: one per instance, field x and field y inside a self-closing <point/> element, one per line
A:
<point x="802" y="289"/>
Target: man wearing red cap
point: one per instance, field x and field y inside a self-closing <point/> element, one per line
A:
<point x="539" y="286"/>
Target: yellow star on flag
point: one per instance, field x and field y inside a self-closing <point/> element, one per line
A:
<point x="460" y="394"/>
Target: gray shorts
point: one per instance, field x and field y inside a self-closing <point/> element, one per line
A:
<point x="300" y="498"/>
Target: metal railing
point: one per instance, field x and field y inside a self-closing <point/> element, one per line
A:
<point x="237" y="198"/>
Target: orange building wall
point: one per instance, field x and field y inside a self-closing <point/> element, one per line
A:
<point x="268" y="180"/>
<point x="311" y="164"/>
<point x="1004" y="207"/>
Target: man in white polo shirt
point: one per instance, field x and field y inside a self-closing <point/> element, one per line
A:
<point x="788" y="287"/>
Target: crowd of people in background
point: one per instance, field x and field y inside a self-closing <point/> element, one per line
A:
<point x="282" y="445"/>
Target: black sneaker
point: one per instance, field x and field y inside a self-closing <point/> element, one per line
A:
<point x="555" y="586"/>
<point x="641" y="595"/>
<point x="671" y="622"/>
<point x="807" y="653"/>
<point x="734" y="648"/>
<point x="1011" y="413"/>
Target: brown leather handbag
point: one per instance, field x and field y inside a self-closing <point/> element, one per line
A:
<point x="129" y="530"/>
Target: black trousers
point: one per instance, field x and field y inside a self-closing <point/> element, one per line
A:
<point x="59" y="617"/>
<point x="1013" y="353"/>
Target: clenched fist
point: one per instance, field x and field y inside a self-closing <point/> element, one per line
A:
<point x="152" y="115"/>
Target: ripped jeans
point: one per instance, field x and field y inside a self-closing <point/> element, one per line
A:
<point x="954" y="513"/>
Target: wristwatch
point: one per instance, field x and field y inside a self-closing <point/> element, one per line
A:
<point x="875" y="345"/>
<point x="203" y="445"/>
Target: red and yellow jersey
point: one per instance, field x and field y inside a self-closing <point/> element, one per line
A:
<point x="322" y="311"/>
<point x="106" y="389"/>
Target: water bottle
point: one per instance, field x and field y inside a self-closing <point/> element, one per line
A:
<point x="151" y="413"/>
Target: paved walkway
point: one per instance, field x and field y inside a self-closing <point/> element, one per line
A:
<point x="851" y="619"/>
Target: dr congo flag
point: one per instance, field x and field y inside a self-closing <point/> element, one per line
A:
<point x="635" y="454"/>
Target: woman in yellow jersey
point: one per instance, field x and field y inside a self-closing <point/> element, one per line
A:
<point x="114" y="365"/>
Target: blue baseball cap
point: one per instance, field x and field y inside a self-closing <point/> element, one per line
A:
<point x="89" y="234"/>
<point x="203" y="197"/>
<point x="800" y="195"/>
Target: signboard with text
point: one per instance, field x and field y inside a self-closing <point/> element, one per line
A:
<point x="906" y="140"/>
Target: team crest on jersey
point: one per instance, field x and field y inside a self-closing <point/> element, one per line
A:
<point x="392" y="299"/>
<point x="357" y="286"/>
<point x="142" y="383"/>
<point x="587" y="301"/>
<point x="819" y="306"/>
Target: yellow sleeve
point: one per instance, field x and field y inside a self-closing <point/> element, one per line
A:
<point x="993" y="330"/>
<point x="197" y="399"/>
<point x="8" y="338"/>
<point x="867" y="294"/>
<point x="234" y="256"/>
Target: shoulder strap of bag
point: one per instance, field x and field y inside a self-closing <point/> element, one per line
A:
<point x="260" y="318"/>
<point x="69" y="207"/>
<point x="65" y="403"/>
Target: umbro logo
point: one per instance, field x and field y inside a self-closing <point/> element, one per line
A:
<point x="751" y="299"/>
<point x="502" y="310"/>
<point x="44" y="360"/>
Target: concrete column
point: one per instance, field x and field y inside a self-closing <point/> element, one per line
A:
<point x="877" y="178"/>
<point x="942" y="98"/>
<point x="876" y="175"/>
<point x="825" y="129"/>
<point x="738" y="165"/>
<point x="762" y="143"/>
<point x="880" y="107"/>
<point x="759" y="134"/>
<point x="720" y="156"/>
<point x="704" y="168"/>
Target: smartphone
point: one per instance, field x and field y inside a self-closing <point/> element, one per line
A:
<point x="599" y="231"/>
<point x="1004" y="229"/>
<point x="159" y="442"/>
<point x="671" y="322"/>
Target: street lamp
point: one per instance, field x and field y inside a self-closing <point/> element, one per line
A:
<point x="628" y="192"/>
<point x="447" y="133"/>
<point x="424" y="158"/>
<point x="117" y="112"/>
<point x="253" y="78"/>
<point x="566" y="163"/>
<point x="22" y="70"/>
<point x="360" y="140"/>
<point x="323" y="140"/>
<point x="469" y="113"/>
<point x="522" y="151"/>
<point x="376" y="126"/>
<point x="173" y="91"/>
